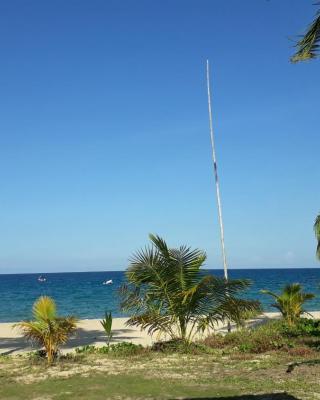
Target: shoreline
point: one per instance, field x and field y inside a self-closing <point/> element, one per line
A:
<point x="90" y="332"/>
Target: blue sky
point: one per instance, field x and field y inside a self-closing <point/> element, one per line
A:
<point x="104" y="132"/>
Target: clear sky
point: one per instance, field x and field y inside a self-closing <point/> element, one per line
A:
<point x="104" y="132"/>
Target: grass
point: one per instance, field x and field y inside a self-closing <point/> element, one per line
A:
<point x="161" y="376"/>
<point x="268" y="362"/>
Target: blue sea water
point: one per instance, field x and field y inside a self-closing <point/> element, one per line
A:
<point x="83" y="294"/>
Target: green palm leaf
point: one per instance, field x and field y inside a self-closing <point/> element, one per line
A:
<point x="48" y="330"/>
<point x="44" y="309"/>
<point x="290" y="302"/>
<point x="308" y="46"/>
<point x="167" y="291"/>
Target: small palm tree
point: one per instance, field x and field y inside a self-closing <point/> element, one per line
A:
<point x="168" y="293"/>
<point x="47" y="329"/>
<point x="316" y="228"/>
<point x="290" y="302"/>
<point x="308" y="45"/>
<point x="107" y="326"/>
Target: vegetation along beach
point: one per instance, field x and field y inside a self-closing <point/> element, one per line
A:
<point x="159" y="202"/>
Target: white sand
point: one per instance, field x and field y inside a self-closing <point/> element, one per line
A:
<point x="90" y="332"/>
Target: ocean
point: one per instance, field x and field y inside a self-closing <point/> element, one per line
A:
<point x="83" y="294"/>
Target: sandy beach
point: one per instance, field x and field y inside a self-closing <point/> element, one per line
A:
<point x="90" y="332"/>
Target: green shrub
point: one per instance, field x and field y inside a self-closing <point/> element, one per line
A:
<point x="126" y="349"/>
<point x="181" y="346"/>
<point x="118" y="349"/>
<point x="303" y="327"/>
<point x="264" y="338"/>
<point x="86" y="349"/>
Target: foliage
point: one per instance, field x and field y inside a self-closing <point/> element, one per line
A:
<point x="39" y="357"/>
<point x="107" y="326"/>
<point x="316" y="228"/>
<point x="308" y="45"/>
<point x="290" y="302"/>
<point x="263" y="338"/>
<point x="167" y="293"/>
<point x="303" y="327"/>
<point x="87" y="349"/>
<point x="180" y="346"/>
<point x="48" y="329"/>
<point x="126" y="349"/>
<point x="299" y="339"/>
<point x="118" y="349"/>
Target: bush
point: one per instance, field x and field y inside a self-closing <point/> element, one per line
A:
<point x="303" y="327"/>
<point x="118" y="349"/>
<point x="86" y="349"/>
<point x="126" y="349"/>
<point x="259" y="340"/>
<point x="181" y="346"/>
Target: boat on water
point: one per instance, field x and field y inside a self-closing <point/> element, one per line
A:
<point x="41" y="278"/>
<point x="109" y="282"/>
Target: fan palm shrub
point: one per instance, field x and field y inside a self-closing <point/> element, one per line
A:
<point x="168" y="293"/>
<point x="290" y="302"/>
<point x="48" y="329"/>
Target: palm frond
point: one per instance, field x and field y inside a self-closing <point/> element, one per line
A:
<point x="290" y="302"/>
<point x="308" y="296"/>
<point x="44" y="309"/>
<point x="292" y="289"/>
<point x="167" y="291"/>
<point x="48" y="330"/>
<point x="160" y="244"/>
<point x="264" y="291"/>
<point x="32" y="330"/>
<point x="154" y="322"/>
<point x="308" y="46"/>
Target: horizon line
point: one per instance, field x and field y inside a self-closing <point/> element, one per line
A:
<point x="123" y="270"/>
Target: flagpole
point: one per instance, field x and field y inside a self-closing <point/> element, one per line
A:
<point x="215" y="169"/>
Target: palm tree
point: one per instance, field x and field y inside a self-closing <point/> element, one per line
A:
<point x="316" y="228"/>
<point x="308" y="45"/>
<point x="168" y="293"/>
<point x="47" y="329"/>
<point x="290" y="302"/>
<point x="106" y="324"/>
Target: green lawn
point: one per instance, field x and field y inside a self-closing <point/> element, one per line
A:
<point x="161" y="376"/>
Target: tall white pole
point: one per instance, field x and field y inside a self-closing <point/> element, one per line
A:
<point x="225" y="267"/>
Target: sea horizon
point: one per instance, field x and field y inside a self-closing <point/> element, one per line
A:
<point x="123" y="270"/>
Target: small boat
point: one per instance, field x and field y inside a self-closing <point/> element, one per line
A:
<point x="109" y="282"/>
<point x="41" y="279"/>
